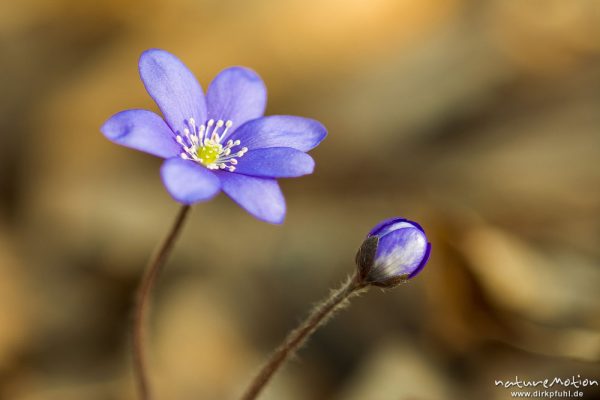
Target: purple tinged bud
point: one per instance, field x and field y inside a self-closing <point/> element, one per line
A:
<point x="394" y="251"/>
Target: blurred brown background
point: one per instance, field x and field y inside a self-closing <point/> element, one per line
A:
<point x="479" y="119"/>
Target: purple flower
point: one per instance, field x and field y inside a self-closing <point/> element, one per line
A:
<point x="220" y="141"/>
<point x="395" y="250"/>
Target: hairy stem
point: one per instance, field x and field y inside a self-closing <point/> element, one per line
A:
<point x="296" y="338"/>
<point x="153" y="269"/>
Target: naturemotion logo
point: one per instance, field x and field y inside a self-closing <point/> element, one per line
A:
<point x="547" y="383"/>
<point x="547" y="387"/>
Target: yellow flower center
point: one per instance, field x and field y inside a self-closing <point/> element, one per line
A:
<point x="209" y="153"/>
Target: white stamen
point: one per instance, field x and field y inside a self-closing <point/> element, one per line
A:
<point x="194" y="139"/>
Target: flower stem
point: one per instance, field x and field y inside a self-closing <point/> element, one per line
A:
<point x="153" y="269"/>
<point x="298" y="336"/>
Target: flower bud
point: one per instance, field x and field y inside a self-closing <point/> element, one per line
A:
<point x="394" y="251"/>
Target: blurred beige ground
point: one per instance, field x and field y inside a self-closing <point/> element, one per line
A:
<point x="480" y="119"/>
